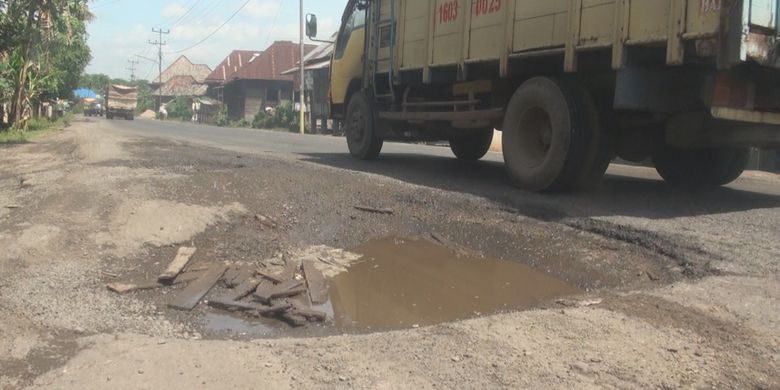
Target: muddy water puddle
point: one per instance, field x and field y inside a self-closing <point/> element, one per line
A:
<point x="407" y="282"/>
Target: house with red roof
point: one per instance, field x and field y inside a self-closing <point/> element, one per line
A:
<point x="250" y="81"/>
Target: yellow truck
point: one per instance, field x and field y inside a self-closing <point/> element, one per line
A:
<point x="689" y="84"/>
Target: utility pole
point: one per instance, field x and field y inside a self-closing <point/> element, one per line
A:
<point x="131" y="68"/>
<point x="303" y="81"/>
<point x="159" y="43"/>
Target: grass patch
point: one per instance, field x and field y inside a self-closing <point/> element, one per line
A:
<point x="35" y="129"/>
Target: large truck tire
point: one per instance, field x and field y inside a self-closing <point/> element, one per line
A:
<point x="361" y="129"/>
<point x="710" y="167"/>
<point x="472" y="146"/>
<point x="551" y="137"/>
<point x="109" y="116"/>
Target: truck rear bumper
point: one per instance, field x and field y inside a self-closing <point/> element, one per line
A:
<point x="746" y="116"/>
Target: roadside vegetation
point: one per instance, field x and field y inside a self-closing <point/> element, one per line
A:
<point x="36" y="127"/>
<point x="43" y="51"/>
<point x="281" y="118"/>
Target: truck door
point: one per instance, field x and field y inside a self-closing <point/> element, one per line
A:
<point x="348" y="55"/>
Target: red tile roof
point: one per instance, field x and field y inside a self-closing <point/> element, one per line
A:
<point x="231" y="64"/>
<point x="280" y="56"/>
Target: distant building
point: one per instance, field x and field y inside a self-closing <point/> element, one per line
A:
<point x="250" y="81"/>
<point x="181" y="79"/>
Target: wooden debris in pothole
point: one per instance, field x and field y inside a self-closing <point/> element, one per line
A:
<point x="286" y="296"/>
<point x="190" y="296"/>
<point x="183" y="256"/>
<point x="126" y="287"/>
<point x="315" y="280"/>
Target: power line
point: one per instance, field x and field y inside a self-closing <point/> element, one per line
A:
<point x="185" y="14"/>
<point x="217" y="29"/>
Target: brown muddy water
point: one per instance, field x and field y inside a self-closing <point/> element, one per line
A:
<point x="408" y="282"/>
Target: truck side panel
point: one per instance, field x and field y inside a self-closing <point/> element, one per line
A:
<point x="451" y="32"/>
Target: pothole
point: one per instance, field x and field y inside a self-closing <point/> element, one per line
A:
<point x="406" y="282"/>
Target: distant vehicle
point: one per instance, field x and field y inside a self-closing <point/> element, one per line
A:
<point x="690" y="84"/>
<point x="93" y="109"/>
<point x="121" y="101"/>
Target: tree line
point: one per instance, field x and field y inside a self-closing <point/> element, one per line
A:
<point x="43" y="52"/>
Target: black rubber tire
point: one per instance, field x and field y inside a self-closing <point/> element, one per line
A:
<point x="550" y="136"/>
<point x="361" y="129"/>
<point x="473" y="145"/>
<point x="109" y="116"/>
<point x="711" y="167"/>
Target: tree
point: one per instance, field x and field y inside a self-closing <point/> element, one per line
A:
<point x="43" y="49"/>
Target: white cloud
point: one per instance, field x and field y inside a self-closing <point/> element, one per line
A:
<point x="173" y="10"/>
<point x="262" y="9"/>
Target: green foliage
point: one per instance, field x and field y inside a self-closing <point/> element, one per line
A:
<point x="179" y="108"/>
<point x="43" y="51"/>
<point x="37" y="127"/>
<point x="221" y="119"/>
<point x="95" y="82"/>
<point x="283" y="116"/>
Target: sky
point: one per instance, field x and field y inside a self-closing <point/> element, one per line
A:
<point x="122" y="28"/>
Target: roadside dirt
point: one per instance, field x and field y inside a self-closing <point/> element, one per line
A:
<point x="675" y="302"/>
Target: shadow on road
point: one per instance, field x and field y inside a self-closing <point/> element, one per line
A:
<point x="618" y="195"/>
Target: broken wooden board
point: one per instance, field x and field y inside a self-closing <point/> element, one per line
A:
<point x="251" y="307"/>
<point x="303" y="309"/>
<point x="315" y="280"/>
<point x="237" y="274"/>
<point x="126" y="287"/>
<point x="290" y="269"/>
<point x="265" y="293"/>
<point x="270" y="277"/>
<point x="290" y="317"/>
<point x="244" y="289"/>
<point x="183" y="256"/>
<point x="189" y="297"/>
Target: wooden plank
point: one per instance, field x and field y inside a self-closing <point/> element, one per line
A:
<point x="126" y="287"/>
<point x="273" y="278"/>
<point x="189" y="297"/>
<point x="255" y="308"/>
<point x="315" y="280"/>
<point x="266" y="293"/>
<point x="183" y="256"/>
<point x="244" y="289"/>
<point x="302" y="309"/>
<point x="290" y="269"/>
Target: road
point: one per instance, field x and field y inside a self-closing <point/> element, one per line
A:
<point x="672" y="288"/>
<point x="625" y="187"/>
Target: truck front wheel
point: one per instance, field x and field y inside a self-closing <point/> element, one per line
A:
<point x="472" y="146"/>
<point x="711" y="167"/>
<point x="551" y="136"/>
<point x="361" y="129"/>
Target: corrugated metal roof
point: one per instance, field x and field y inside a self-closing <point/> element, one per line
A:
<point x="231" y="64"/>
<point x="319" y="58"/>
<point x="280" y="56"/>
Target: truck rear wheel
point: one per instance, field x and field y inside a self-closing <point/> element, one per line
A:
<point x="711" y="167"/>
<point x="361" y="129"/>
<point x="551" y="136"/>
<point x="109" y="116"/>
<point x="472" y="146"/>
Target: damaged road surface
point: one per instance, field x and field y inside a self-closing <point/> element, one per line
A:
<point x="139" y="254"/>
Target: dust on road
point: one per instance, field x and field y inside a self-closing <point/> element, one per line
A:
<point x="683" y="301"/>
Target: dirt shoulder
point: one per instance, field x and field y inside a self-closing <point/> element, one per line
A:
<point x="682" y="301"/>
